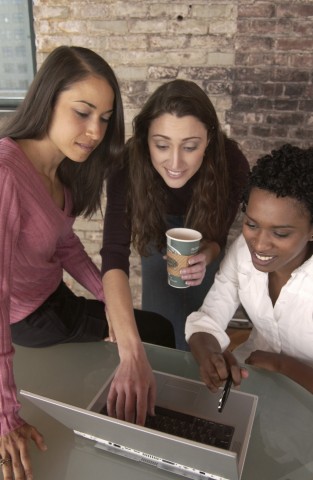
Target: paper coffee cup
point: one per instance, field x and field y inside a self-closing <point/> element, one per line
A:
<point x="182" y="243"/>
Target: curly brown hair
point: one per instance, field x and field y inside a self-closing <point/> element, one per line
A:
<point x="207" y="211"/>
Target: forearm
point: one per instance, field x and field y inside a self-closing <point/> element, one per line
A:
<point x="119" y="305"/>
<point x="297" y="371"/>
<point x="291" y="367"/>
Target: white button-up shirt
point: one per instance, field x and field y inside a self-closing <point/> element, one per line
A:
<point x="287" y="327"/>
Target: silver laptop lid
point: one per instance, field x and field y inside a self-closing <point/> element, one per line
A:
<point x="170" y="452"/>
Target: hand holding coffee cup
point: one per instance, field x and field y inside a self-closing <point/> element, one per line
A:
<point x="182" y="243"/>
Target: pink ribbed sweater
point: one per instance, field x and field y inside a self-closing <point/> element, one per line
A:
<point x="36" y="243"/>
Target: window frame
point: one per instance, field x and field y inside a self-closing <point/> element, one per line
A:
<point x="8" y="102"/>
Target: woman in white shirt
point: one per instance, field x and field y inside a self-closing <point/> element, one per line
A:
<point x="269" y="270"/>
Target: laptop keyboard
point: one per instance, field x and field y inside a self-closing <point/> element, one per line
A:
<point x="192" y="428"/>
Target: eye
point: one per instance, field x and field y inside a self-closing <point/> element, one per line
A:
<point x="250" y="225"/>
<point x="281" y="235"/>
<point x="160" y="146"/>
<point x="189" y="148"/>
<point x="105" y="120"/>
<point x="81" y="114"/>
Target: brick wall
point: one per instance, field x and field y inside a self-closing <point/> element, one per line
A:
<point x="254" y="59"/>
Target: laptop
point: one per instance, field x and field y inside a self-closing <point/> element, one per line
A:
<point x="172" y="450"/>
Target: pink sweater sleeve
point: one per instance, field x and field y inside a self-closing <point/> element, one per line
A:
<point x="79" y="265"/>
<point x="9" y="227"/>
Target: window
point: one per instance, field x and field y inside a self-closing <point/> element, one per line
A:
<point x="17" y="51"/>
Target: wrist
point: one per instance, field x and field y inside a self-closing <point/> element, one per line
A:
<point x="132" y="350"/>
<point x="211" y="251"/>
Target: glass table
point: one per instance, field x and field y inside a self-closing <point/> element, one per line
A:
<point x="281" y="445"/>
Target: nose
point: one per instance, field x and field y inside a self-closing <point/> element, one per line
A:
<point x="261" y="241"/>
<point x="95" y="130"/>
<point x="175" y="159"/>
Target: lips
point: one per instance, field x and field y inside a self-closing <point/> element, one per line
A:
<point x="86" y="148"/>
<point x="261" y="260"/>
<point x="174" y="174"/>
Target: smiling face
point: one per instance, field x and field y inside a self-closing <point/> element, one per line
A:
<point x="177" y="147"/>
<point x="277" y="231"/>
<point x="80" y="118"/>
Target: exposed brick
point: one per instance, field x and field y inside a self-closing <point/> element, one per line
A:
<point x="295" y="44"/>
<point x="306" y="105"/>
<point x="303" y="60"/>
<point x="206" y="73"/>
<point x="216" y="88"/>
<point x="265" y="26"/>
<point x="286" y="104"/>
<point x="253" y="58"/>
<point x="85" y="11"/>
<point x="260" y="131"/>
<point x="107" y="27"/>
<point x="289" y="9"/>
<point x="285" y="118"/>
<point x="302" y="27"/>
<point x="49" y="12"/>
<point x="157" y="42"/>
<point x="302" y="133"/>
<point x="254" y="43"/>
<point x="252" y="74"/>
<point x="279" y="131"/>
<point x="169" y="10"/>
<point x="223" y="27"/>
<point x="256" y="9"/>
<point x="244" y="88"/>
<point x="272" y="89"/>
<point x="213" y="10"/>
<point x="287" y="75"/>
<point x="135" y="93"/>
<point x="126" y="42"/>
<point x="295" y="90"/>
<point x="165" y="73"/>
<point x="239" y="130"/>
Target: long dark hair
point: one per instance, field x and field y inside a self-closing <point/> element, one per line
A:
<point x="61" y="69"/>
<point x="207" y="211"/>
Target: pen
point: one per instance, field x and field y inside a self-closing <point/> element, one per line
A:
<point x="225" y="393"/>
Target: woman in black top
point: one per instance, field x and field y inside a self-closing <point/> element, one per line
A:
<point x="180" y="170"/>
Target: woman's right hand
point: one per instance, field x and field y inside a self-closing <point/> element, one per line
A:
<point x="216" y="366"/>
<point x="14" y="448"/>
<point x="133" y="390"/>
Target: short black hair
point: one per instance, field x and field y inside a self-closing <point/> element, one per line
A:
<point x="286" y="172"/>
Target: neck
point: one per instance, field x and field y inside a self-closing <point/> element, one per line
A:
<point x="42" y="157"/>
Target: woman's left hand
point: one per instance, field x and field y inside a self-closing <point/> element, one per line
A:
<point x="194" y="274"/>
<point x="267" y="360"/>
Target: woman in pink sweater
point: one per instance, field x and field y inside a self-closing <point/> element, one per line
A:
<point x="54" y="156"/>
